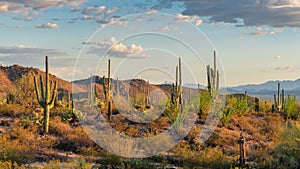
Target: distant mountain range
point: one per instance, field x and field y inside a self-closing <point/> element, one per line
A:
<point x="268" y="88"/>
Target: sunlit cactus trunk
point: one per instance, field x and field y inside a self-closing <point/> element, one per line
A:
<point x="107" y="88"/>
<point x="46" y="96"/>
<point x="279" y="101"/>
<point x="213" y="78"/>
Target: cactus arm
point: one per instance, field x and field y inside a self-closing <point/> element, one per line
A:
<point x="218" y="80"/>
<point x="42" y="89"/>
<point x="37" y="91"/>
<point x="47" y="97"/>
<point x="54" y="93"/>
<point x="208" y="78"/>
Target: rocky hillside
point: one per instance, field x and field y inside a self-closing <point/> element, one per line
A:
<point x="9" y="75"/>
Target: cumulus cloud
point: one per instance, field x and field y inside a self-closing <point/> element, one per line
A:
<point x="48" y="26"/>
<point x="275" y="13"/>
<point x="100" y="14"/>
<point x="93" y="10"/>
<point x="104" y="21"/>
<point x="185" y="18"/>
<point x="117" y="49"/>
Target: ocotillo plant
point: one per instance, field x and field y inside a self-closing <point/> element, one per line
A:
<point x="46" y="96"/>
<point x="107" y="88"/>
<point x="279" y="100"/>
<point x="213" y="78"/>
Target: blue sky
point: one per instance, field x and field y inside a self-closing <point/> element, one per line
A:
<point x="256" y="41"/>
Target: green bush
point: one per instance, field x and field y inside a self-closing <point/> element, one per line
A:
<point x="290" y="108"/>
<point x="208" y="158"/>
<point x="287" y="153"/>
<point x="204" y="103"/>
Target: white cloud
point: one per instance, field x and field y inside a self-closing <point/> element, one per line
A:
<point x="277" y="57"/>
<point x="77" y="9"/>
<point x="101" y="15"/>
<point x="185" y="18"/>
<point x="265" y="31"/>
<point x="93" y="10"/>
<point x="19" y="27"/>
<point x="48" y="26"/>
<point x="287" y="69"/>
<point x="87" y="17"/>
<point x="152" y="11"/>
<point x="110" y="11"/>
<point x="117" y="49"/>
<point x="111" y="21"/>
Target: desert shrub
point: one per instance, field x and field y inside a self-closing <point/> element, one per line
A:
<point x="287" y="153"/>
<point x="227" y="116"/>
<point x="71" y="138"/>
<point x="204" y="103"/>
<point x="11" y="165"/>
<point x="290" y="108"/>
<point x="72" y="116"/>
<point x="240" y="106"/>
<point x="56" y="164"/>
<point x="24" y="93"/>
<point x="137" y="164"/>
<point x="14" y="110"/>
<point x="14" y="151"/>
<point x="208" y="158"/>
<point x="234" y="106"/>
<point x="5" y="110"/>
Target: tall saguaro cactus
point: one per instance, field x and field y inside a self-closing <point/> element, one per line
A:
<point x="107" y="88"/>
<point x="213" y="78"/>
<point x="279" y="100"/>
<point x="177" y="88"/>
<point x="46" y="96"/>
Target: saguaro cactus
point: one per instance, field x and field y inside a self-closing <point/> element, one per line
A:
<point x="92" y="93"/>
<point x="213" y="78"/>
<point x="176" y="90"/>
<point x="107" y="88"/>
<point x="279" y="100"/>
<point x="46" y="96"/>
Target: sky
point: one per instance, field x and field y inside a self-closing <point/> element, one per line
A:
<point x="255" y="40"/>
